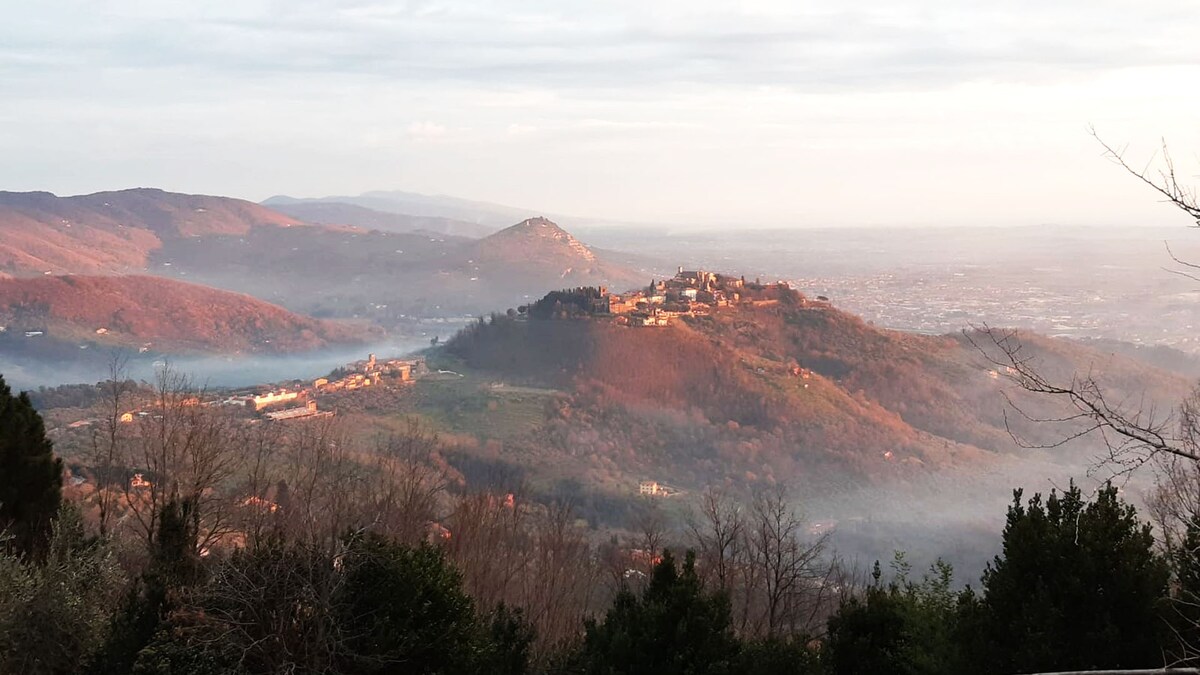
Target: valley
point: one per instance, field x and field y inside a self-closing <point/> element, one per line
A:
<point x="706" y="379"/>
<point x="595" y="370"/>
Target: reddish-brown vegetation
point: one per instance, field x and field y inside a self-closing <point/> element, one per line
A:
<point x="772" y="392"/>
<point x="112" y="232"/>
<point x="174" y="316"/>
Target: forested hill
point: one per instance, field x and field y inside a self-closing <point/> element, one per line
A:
<point x="776" y="392"/>
<point x="164" y="315"/>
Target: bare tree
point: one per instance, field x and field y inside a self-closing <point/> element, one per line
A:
<point x="107" y="443"/>
<point x="325" y="483"/>
<point x="1165" y="181"/>
<point x="1134" y="431"/>
<point x="273" y="607"/>
<point x="489" y="542"/>
<point x="651" y="527"/>
<point x="559" y="586"/>
<point x="790" y="567"/>
<point x="410" y="482"/>
<point x="776" y="575"/>
<point x="719" y="537"/>
<point x="186" y="452"/>
<point x="260" y="512"/>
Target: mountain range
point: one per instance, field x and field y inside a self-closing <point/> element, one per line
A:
<point x="341" y="213"/>
<point x="335" y="261"/>
<point x="486" y="215"/>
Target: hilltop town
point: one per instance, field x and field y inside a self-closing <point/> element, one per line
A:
<point x="689" y="293"/>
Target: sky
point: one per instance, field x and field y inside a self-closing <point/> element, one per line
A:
<point x="758" y="113"/>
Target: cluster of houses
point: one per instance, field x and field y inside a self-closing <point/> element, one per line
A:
<point x="279" y="405"/>
<point x="688" y="293"/>
<point x="369" y="373"/>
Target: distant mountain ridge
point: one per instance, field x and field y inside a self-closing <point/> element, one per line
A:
<point x="489" y="215"/>
<point x="341" y="213"/>
<point x="113" y="232"/>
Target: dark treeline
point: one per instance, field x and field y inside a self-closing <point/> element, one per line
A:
<point x="251" y="550"/>
<point x="573" y="302"/>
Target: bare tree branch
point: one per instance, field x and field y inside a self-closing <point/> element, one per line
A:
<point x="1132" y="434"/>
<point x="1167" y="184"/>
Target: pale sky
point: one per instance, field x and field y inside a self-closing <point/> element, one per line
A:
<point x="764" y="112"/>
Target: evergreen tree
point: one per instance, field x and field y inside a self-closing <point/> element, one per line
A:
<point x="173" y="566"/>
<point x="1185" y="607"/>
<point x="1078" y="586"/>
<point x="900" y="627"/>
<point x="777" y="656"/>
<point x="509" y="641"/>
<point x="30" y="475"/>
<point x="674" y="627"/>
<point x="405" y="611"/>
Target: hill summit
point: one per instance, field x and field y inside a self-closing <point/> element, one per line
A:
<point x="536" y="239"/>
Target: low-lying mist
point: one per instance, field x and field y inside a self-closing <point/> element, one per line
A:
<point x="208" y="371"/>
<point x="956" y="515"/>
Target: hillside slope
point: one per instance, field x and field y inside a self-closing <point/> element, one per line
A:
<point x="791" y="392"/>
<point x="168" y="316"/>
<point x="113" y="232"/>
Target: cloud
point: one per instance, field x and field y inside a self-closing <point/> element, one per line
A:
<point x="634" y="106"/>
<point x="515" y="129"/>
<point x="426" y="131"/>
<point x="620" y="45"/>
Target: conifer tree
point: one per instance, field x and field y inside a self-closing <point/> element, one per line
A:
<point x="674" y="627"/>
<point x="30" y="475"/>
<point x="1078" y="586"/>
<point x="173" y="566"/>
<point x="1185" y="614"/>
